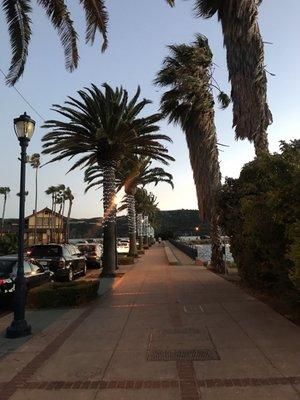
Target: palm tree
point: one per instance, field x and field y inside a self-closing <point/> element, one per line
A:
<point x="245" y="61"/>
<point x="189" y="102"/>
<point x="104" y="127"/>
<point x="146" y="208"/>
<point x="70" y="197"/>
<point x="18" y="12"/>
<point x="4" y="190"/>
<point x="52" y="192"/>
<point x="61" y="201"/>
<point x="130" y="174"/>
<point x="35" y="162"/>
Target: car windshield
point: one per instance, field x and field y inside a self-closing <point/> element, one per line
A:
<point x="85" y="248"/>
<point x="45" y="251"/>
<point x="6" y="267"/>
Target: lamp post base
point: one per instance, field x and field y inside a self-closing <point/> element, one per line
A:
<point x="18" y="329"/>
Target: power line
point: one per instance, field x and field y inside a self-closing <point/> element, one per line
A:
<point x="24" y="99"/>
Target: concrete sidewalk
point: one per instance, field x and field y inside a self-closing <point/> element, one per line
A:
<point x="173" y="332"/>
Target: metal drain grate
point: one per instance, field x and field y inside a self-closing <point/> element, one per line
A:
<point x="183" y="355"/>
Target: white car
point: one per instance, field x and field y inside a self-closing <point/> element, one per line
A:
<point x="123" y="247"/>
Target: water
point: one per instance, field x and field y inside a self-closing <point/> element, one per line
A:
<point x="204" y="250"/>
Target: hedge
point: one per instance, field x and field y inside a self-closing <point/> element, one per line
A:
<point x="260" y="213"/>
<point x="125" y="260"/>
<point x="59" y="294"/>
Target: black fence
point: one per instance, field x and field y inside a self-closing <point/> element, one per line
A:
<point x="188" y="250"/>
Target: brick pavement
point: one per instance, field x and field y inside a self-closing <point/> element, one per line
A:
<point x="218" y="340"/>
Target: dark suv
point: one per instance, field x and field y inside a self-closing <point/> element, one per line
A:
<point x="64" y="260"/>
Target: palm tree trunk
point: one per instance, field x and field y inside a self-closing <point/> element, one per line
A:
<point x="57" y="229"/>
<point x="3" y="214"/>
<point x="245" y="61"/>
<point x="131" y="224"/>
<point x="35" y="205"/>
<point x="217" y="260"/>
<point x="139" y="223"/>
<point x="146" y="238"/>
<point x="109" y="230"/>
<point x="68" y="222"/>
<point x="61" y="224"/>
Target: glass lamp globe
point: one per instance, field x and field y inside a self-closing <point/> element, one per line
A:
<point x="24" y="126"/>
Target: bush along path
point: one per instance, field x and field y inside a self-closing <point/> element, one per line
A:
<point x="177" y="332"/>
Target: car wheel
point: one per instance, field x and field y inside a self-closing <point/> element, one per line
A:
<point x="70" y="275"/>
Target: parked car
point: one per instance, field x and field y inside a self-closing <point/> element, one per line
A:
<point x="92" y="253"/>
<point x="123" y="247"/>
<point x="64" y="260"/>
<point x="34" y="272"/>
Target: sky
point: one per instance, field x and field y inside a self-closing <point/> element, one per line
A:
<point x="139" y="31"/>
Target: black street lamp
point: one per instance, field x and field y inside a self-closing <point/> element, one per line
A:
<point x="24" y="129"/>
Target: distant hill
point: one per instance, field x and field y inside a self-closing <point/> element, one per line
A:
<point x="166" y="223"/>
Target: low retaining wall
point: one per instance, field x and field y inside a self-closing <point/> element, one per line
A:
<point x="189" y="251"/>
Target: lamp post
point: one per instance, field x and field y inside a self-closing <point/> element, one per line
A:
<point x="24" y="129"/>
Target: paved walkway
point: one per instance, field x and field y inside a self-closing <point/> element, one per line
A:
<point x="173" y="333"/>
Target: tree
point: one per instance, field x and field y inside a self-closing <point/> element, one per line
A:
<point x="245" y="61"/>
<point x="104" y="127"/>
<point x="61" y="201"/>
<point x="146" y="206"/>
<point x="130" y="174"/>
<point x="35" y="162"/>
<point x="18" y="12"/>
<point x="189" y="102"/>
<point x="4" y="190"/>
<point x="70" y="197"/>
<point x="260" y="213"/>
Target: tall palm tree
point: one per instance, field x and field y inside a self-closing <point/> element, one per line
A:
<point x="104" y="127"/>
<point x="189" y="102"/>
<point x="245" y="61"/>
<point x="35" y="162"/>
<point x="61" y="201"/>
<point x="52" y="192"/>
<point x="18" y="17"/>
<point x="70" y="197"/>
<point x="4" y="190"/>
<point x="130" y="174"/>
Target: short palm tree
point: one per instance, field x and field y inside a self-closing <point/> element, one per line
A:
<point x="18" y="12"/>
<point x="189" y="102"/>
<point x="245" y="61"/>
<point x="130" y="174"/>
<point x="35" y="162"/>
<point x="4" y="190"/>
<point x="105" y="127"/>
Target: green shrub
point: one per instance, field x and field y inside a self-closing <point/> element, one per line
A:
<point x="141" y="252"/>
<point x="260" y="213"/>
<point x="59" y="294"/>
<point x="8" y="244"/>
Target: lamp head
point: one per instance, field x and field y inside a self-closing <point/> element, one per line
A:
<point x="24" y="126"/>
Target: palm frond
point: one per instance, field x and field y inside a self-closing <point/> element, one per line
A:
<point x="96" y="20"/>
<point x="59" y="15"/>
<point x="17" y="15"/>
